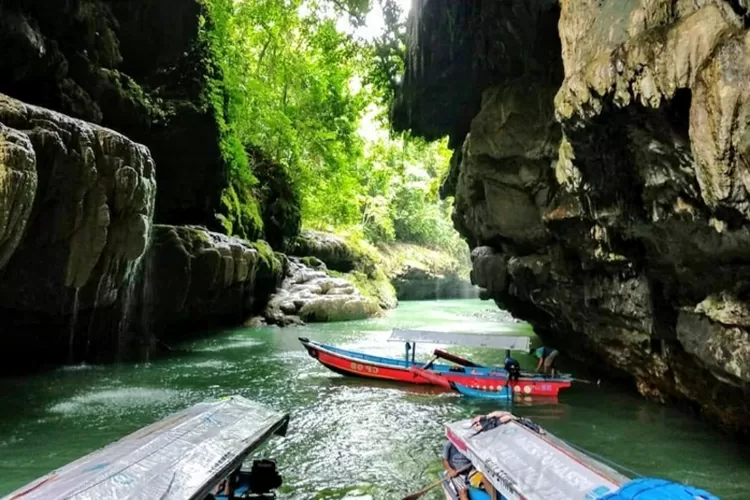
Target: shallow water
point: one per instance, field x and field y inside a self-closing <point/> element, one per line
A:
<point x="349" y="438"/>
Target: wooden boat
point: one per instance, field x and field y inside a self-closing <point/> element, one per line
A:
<point x="358" y="364"/>
<point x="184" y="456"/>
<point x="525" y="462"/>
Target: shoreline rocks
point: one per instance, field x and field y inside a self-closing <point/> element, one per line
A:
<point x="310" y="295"/>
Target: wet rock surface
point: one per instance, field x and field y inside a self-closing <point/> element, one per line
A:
<point x="84" y="272"/>
<point x="310" y="294"/>
<point x="198" y="279"/>
<point x="78" y="203"/>
<point x="600" y="179"/>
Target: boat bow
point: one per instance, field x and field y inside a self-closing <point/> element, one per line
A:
<point x="524" y="464"/>
<point x="180" y="457"/>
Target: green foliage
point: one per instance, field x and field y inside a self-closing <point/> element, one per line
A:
<point x="271" y="260"/>
<point x="240" y="212"/>
<point x="293" y="90"/>
<point x="285" y="88"/>
<point x="388" y="54"/>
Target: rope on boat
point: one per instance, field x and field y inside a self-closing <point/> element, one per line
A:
<point x="612" y="464"/>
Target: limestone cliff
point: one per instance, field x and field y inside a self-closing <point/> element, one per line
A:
<point x="78" y="203"/>
<point x="89" y="270"/>
<point x="600" y="174"/>
<point x="84" y="273"/>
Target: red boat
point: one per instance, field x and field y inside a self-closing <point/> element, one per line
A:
<point x="358" y="364"/>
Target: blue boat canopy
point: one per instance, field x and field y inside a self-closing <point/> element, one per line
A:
<point x="491" y="340"/>
<point x="180" y="457"/>
<point x="647" y="488"/>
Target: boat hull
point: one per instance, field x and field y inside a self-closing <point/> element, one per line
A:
<point x="504" y="394"/>
<point x="357" y="364"/>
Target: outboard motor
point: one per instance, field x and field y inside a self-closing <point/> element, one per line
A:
<point x="262" y="478"/>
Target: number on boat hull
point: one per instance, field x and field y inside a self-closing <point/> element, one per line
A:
<point x="364" y="368"/>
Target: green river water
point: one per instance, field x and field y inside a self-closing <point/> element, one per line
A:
<point x="349" y="438"/>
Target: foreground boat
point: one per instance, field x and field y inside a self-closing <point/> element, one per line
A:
<point x="184" y="456"/>
<point x="522" y="461"/>
<point x="352" y="363"/>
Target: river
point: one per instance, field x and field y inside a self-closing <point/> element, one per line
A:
<point x="349" y="438"/>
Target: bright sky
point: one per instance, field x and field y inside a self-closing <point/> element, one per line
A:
<point x="369" y="128"/>
<point x="374" y="22"/>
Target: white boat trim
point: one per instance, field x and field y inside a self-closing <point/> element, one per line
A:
<point x="488" y="340"/>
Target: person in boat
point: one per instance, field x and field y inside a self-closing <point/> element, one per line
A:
<point x="547" y="358"/>
<point x="513" y="368"/>
<point x="453" y="463"/>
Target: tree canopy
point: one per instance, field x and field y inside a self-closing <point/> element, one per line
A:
<point x="300" y="84"/>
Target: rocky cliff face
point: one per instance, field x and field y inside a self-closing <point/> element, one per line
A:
<point x="78" y="203"/>
<point x="146" y="69"/>
<point x="600" y="175"/>
<point x="419" y="273"/>
<point x="88" y="270"/>
<point x="196" y="279"/>
<point x="84" y="272"/>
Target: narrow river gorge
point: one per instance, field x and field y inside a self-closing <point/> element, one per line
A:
<point x="349" y="439"/>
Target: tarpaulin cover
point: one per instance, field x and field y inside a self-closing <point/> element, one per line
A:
<point x="180" y="457"/>
<point x="491" y="340"/>
<point x="524" y="464"/>
<point x="647" y="488"/>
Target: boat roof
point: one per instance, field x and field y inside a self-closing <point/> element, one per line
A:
<point x="523" y="464"/>
<point x="492" y="340"/>
<point x="180" y="457"/>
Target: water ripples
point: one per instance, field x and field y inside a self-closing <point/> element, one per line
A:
<point x="349" y="439"/>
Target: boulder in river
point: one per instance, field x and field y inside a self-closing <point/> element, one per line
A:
<point x="312" y="295"/>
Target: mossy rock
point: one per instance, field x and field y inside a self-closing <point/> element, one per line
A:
<point x="278" y="198"/>
<point x="313" y="263"/>
<point x="376" y="287"/>
<point x="273" y="262"/>
<point x="337" y="253"/>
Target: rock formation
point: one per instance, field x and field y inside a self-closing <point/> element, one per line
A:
<point x="84" y="272"/>
<point x="390" y="271"/>
<point x="360" y="265"/>
<point x="419" y="273"/>
<point x="600" y="176"/>
<point x="88" y="271"/>
<point x="309" y="294"/>
<point x="78" y="204"/>
<point x="144" y="68"/>
<point x="199" y="280"/>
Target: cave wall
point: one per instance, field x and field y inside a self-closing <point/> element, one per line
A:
<point x="145" y="69"/>
<point x="601" y="179"/>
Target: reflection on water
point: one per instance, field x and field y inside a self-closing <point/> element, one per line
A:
<point x="349" y="438"/>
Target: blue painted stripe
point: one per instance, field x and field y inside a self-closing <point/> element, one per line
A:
<point x="506" y="394"/>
